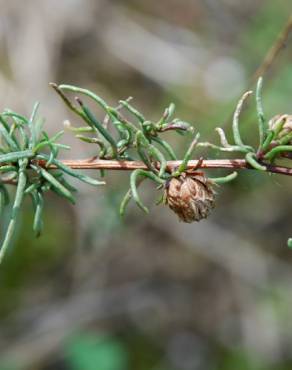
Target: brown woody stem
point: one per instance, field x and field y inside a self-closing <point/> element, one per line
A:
<point x="118" y="165"/>
<point x="275" y="49"/>
<point x="98" y="164"/>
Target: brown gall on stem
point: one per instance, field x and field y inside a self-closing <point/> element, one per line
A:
<point x="191" y="196"/>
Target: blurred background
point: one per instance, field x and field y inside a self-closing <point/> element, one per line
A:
<point x="147" y="292"/>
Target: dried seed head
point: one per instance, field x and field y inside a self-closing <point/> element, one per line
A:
<point x="286" y="120"/>
<point x="190" y="196"/>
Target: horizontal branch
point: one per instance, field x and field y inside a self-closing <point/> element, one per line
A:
<point x="99" y="164"/>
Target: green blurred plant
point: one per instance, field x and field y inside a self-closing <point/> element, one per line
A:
<point x="90" y="351"/>
<point x="24" y="164"/>
<point x="22" y="144"/>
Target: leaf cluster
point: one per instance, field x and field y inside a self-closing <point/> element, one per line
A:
<point x="24" y="144"/>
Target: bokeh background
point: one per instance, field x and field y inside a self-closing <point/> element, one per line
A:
<point x="147" y="292"/>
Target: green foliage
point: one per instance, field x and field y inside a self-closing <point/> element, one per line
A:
<point x="239" y="360"/>
<point x="91" y="352"/>
<point x="22" y="145"/>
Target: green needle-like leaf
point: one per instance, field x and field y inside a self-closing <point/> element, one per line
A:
<point x="134" y="192"/>
<point x="167" y="147"/>
<point x="187" y="157"/>
<point x="133" y="110"/>
<point x="235" y="124"/>
<point x="133" y="182"/>
<point x="225" y="179"/>
<point x="71" y="172"/>
<point x="4" y="198"/>
<point x="16" y="208"/>
<point x="104" y="132"/>
<point x="57" y="185"/>
<point x="31" y="188"/>
<point x="126" y="201"/>
<point x="268" y="140"/>
<point x="253" y="162"/>
<point x="156" y="153"/>
<point x="8" y="168"/>
<point x="39" y="206"/>
<point x="67" y="101"/>
<point x="166" y="115"/>
<point x="260" y="112"/>
<point x="286" y="139"/>
<point x="16" y="156"/>
<point x="231" y="148"/>
<point x="86" y="92"/>
<point x="10" y="113"/>
<point x="31" y="125"/>
<point x="12" y="143"/>
<point x="278" y="150"/>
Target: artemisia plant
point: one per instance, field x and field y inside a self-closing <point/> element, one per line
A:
<point x="29" y="157"/>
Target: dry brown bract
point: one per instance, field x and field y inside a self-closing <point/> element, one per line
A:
<point x="190" y="196"/>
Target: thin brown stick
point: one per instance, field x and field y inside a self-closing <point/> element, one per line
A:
<point x="98" y="164"/>
<point x="274" y="50"/>
<point x="269" y="58"/>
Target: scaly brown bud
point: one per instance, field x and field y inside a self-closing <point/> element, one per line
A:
<point x="190" y="196"/>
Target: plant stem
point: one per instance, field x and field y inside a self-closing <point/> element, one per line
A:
<point x="274" y="50"/>
<point x="106" y="164"/>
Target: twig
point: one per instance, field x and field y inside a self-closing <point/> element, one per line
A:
<point x="98" y="164"/>
<point x="274" y="51"/>
<point x="270" y="57"/>
<point x="130" y="146"/>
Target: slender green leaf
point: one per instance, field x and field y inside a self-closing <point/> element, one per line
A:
<point x="16" y="208"/>
<point x="16" y="156"/>
<point x="71" y="172"/>
<point x="57" y="185"/>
